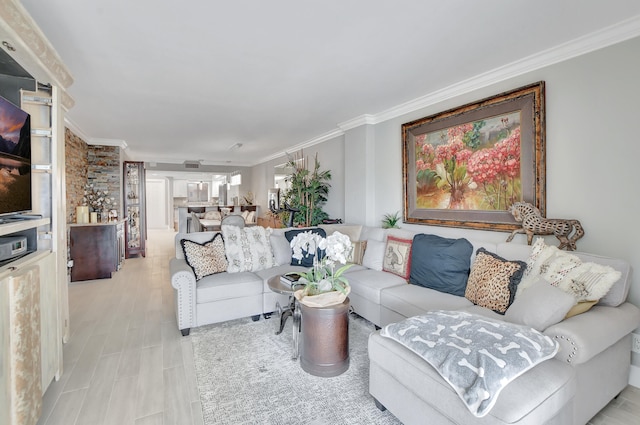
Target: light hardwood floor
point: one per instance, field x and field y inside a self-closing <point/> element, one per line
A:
<point x="126" y="363"/>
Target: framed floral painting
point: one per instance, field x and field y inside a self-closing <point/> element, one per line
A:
<point x="465" y="167"/>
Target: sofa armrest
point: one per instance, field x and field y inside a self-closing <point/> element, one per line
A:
<point x="583" y="336"/>
<point x="183" y="281"/>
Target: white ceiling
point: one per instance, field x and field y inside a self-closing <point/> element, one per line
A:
<point x="187" y="80"/>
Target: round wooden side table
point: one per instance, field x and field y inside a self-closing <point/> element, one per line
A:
<point x="325" y="339"/>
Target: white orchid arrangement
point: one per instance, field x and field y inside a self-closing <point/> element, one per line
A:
<point x="96" y="199"/>
<point x="329" y="252"/>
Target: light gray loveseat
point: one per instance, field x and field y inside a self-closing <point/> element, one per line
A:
<point x="590" y="369"/>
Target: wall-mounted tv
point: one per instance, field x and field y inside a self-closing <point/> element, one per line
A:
<point x="15" y="159"/>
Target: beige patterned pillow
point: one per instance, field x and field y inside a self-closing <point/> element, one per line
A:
<point x="205" y="259"/>
<point x="493" y="281"/>
<point x="585" y="281"/>
<point x="357" y="252"/>
<point x="397" y="256"/>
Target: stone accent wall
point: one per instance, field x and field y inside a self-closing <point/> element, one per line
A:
<point x="95" y="164"/>
<point x="104" y="171"/>
<point x="77" y="166"/>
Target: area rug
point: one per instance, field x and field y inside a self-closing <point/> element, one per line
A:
<point x="246" y="375"/>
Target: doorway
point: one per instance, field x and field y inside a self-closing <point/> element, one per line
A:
<point x="157" y="204"/>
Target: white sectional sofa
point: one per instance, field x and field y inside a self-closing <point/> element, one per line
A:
<point x="590" y="369"/>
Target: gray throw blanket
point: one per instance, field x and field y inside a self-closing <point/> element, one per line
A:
<point x="476" y="355"/>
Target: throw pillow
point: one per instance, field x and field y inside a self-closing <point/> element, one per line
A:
<point x="440" y="263"/>
<point x="540" y="306"/>
<point x="205" y="259"/>
<point x="493" y="281"/>
<point x="374" y="255"/>
<point x="251" y="217"/>
<point x="307" y="259"/>
<point x="585" y="281"/>
<point x="248" y="249"/>
<point x="397" y="257"/>
<point x="358" y="249"/>
<point x="281" y="249"/>
<point x="581" y="307"/>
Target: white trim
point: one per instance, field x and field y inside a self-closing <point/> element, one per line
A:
<point x="614" y="34"/>
<point x="75" y="129"/>
<point x="357" y="122"/>
<point x="107" y="142"/>
<point x="322" y="138"/>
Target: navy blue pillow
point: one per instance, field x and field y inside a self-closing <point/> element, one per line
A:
<point x="440" y="263"/>
<point x="307" y="261"/>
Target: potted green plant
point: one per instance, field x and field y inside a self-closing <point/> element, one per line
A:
<point x="390" y="221"/>
<point x="308" y="192"/>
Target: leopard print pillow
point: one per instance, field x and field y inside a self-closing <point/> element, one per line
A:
<point x="493" y="281"/>
<point x="205" y="259"/>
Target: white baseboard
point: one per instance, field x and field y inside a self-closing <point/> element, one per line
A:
<point x="634" y="376"/>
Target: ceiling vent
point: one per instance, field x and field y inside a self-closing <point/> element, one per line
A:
<point x="192" y="164"/>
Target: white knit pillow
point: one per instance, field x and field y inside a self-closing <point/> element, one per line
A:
<point x="585" y="281"/>
<point x="248" y="249"/>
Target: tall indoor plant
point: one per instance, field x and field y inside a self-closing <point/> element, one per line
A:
<point x="308" y="192"/>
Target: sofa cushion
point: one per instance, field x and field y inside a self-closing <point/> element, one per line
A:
<point x="472" y="359"/>
<point x="374" y="255"/>
<point x="540" y="306"/>
<point x="440" y="263"/>
<point x="412" y="300"/>
<point x="247" y="248"/>
<point x="369" y="283"/>
<point x="533" y="398"/>
<point x="351" y="230"/>
<point x="307" y="259"/>
<point x="397" y="257"/>
<point x="224" y="286"/>
<point x="205" y="259"/>
<point x="493" y="281"/>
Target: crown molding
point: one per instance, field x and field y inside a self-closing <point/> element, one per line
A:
<point x="625" y="30"/>
<point x="107" y="142"/>
<point x="357" y="122"/>
<point x="322" y="138"/>
<point x="73" y="127"/>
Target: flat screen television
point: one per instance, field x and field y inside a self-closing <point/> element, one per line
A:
<point x="15" y="159"/>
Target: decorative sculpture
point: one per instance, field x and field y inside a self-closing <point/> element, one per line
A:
<point x="567" y="231"/>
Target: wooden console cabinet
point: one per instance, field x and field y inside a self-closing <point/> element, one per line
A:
<point x="97" y="250"/>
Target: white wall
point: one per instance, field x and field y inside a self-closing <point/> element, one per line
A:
<point x="331" y="157"/>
